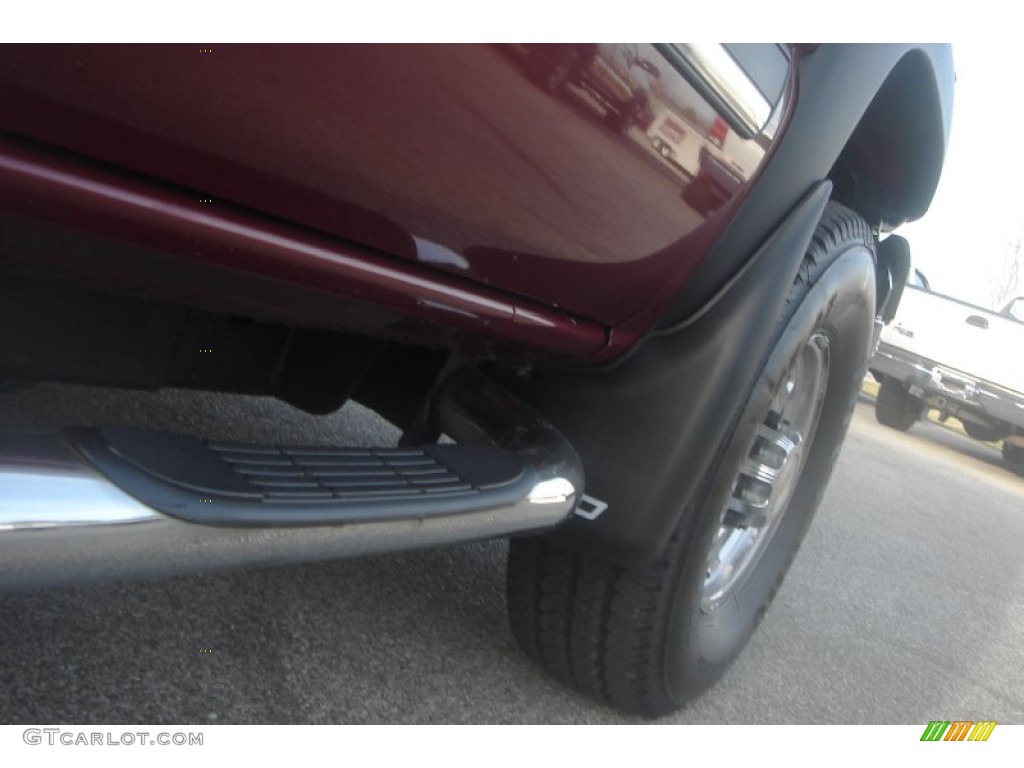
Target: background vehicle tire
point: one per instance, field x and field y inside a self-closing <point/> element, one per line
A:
<point x="982" y="432"/>
<point x="556" y="76"/>
<point x="699" y="196"/>
<point x="1013" y="454"/>
<point x="622" y="118"/>
<point x="650" y="638"/>
<point x="895" y="407"/>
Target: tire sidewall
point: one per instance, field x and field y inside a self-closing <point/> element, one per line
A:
<point x="701" y="644"/>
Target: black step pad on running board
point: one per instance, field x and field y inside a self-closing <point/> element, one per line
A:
<point x="232" y="484"/>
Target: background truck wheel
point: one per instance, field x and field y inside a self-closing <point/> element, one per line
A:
<point x="983" y="432"/>
<point x="1013" y="454"/>
<point x="647" y="639"/>
<point x="895" y="407"/>
<point x="555" y="78"/>
<point x="699" y="196"/>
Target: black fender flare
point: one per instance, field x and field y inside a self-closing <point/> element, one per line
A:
<point x="844" y="92"/>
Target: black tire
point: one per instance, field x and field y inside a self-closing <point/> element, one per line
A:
<point x="622" y="119"/>
<point x="1013" y="454"/>
<point x="698" y="196"/>
<point x="983" y="432"/>
<point x="649" y="639"/>
<point x="895" y="407"/>
<point x="554" y="78"/>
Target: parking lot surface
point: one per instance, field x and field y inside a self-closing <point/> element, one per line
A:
<point x="905" y="604"/>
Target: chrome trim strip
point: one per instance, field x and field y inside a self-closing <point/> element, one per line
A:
<point x="164" y="546"/>
<point x="733" y="88"/>
<point x="36" y="500"/>
<point x="43" y="484"/>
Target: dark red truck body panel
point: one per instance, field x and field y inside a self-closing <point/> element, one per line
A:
<point x="445" y="169"/>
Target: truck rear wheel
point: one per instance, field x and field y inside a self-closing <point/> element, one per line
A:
<point x="895" y="407"/>
<point x="1013" y="454"/>
<point x="983" y="432"/>
<point x="649" y="638"/>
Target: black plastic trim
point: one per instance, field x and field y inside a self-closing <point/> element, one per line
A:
<point x="836" y="84"/>
<point x="242" y="485"/>
<point x="625" y="420"/>
<point x="894" y="257"/>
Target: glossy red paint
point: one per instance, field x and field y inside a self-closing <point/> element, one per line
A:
<point x="88" y="197"/>
<point x="464" y="160"/>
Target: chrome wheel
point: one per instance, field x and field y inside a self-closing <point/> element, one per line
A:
<point x="769" y="474"/>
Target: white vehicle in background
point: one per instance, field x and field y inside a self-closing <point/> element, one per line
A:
<point x="676" y="139"/>
<point x="959" y="358"/>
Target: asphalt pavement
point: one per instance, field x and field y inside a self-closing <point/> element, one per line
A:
<point x="905" y="605"/>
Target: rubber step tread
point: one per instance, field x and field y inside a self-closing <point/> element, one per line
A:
<point x="227" y="483"/>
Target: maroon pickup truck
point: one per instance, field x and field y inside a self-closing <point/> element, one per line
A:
<point x="644" y="383"/>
